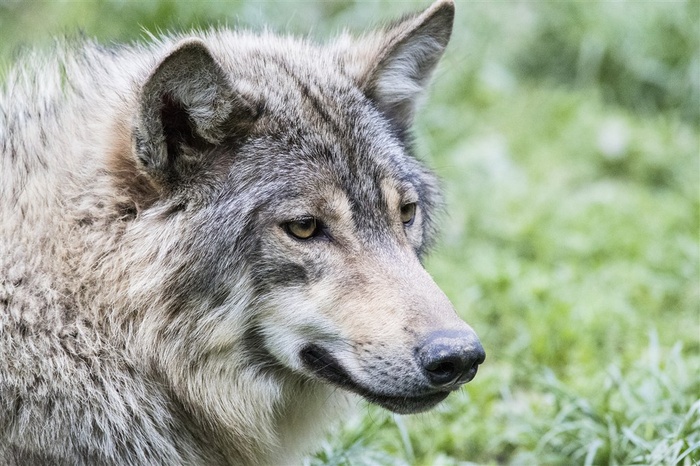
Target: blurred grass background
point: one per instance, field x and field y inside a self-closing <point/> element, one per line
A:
<point x="567" y="135"/>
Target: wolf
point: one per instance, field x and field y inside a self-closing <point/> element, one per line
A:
<point x="211" y="244"/>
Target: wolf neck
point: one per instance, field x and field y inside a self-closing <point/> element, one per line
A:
<point x="236" y="400"/>
<point x="295" y="413"/>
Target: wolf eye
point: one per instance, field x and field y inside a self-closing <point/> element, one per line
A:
<point x="303" y="228"/>
<point x="408" y="213"/>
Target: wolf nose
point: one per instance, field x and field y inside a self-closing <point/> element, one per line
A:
<point x="450" y="358"/>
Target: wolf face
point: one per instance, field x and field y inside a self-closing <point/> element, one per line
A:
<point x="296" y="171"/>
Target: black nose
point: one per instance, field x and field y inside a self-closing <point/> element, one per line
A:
<point x="450" y="358"/>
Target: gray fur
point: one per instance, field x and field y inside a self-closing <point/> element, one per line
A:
<point x="153" y="308"/>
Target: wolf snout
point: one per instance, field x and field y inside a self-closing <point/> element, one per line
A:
<point x="450" y="358"/>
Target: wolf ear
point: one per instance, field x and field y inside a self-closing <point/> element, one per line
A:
<point x="412" y="47"/>
<point x="187" y="105"/>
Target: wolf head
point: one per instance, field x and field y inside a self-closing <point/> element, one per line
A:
<point x="275" y="185"/>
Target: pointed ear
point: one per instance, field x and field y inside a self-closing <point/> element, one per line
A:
<point x="398" y="74"/>
<point x="187" y="105"/>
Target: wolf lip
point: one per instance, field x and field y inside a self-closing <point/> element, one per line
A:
<point x="321" y="363"/>
<point x="407" y="404"/>
<point x="325" y="366"/>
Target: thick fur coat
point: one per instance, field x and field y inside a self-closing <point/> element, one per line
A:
<point x="204" y="238"/>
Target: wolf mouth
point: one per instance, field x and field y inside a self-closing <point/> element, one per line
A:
<point x="325" y="366"/>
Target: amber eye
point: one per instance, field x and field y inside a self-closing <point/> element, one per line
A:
<point x="303" y="228"/>
<point x="408" y="213"/>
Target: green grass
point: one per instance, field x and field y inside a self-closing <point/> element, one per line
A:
<point x="567" y="137"/>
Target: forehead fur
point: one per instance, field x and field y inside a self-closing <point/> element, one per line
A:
<point x="315" y="125"/>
